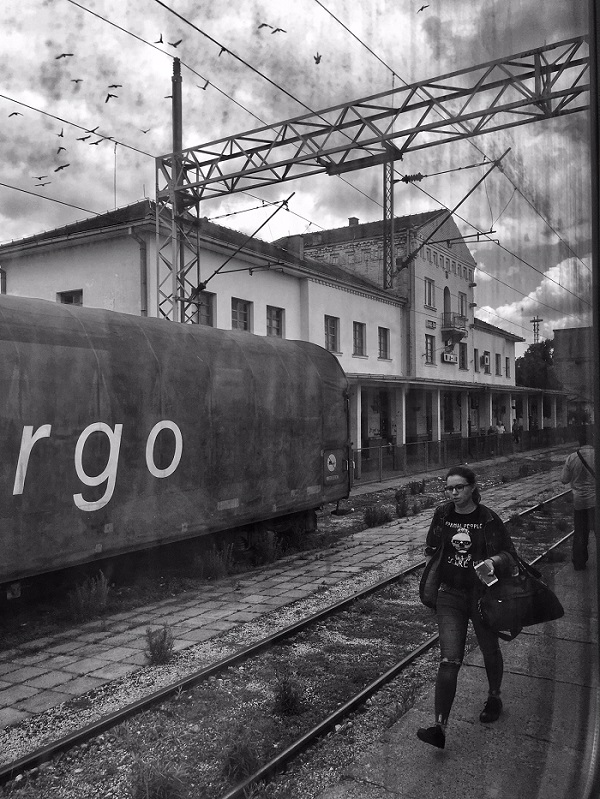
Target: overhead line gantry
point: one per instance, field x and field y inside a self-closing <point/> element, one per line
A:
<point x="544" y="83"/>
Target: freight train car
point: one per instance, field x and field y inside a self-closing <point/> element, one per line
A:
<point x="119" y="433"/>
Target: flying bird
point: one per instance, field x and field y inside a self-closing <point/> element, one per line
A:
<point x="62" y="166"/>
<point x="175" y="44"/>
<point x="43" y="184"/>
<point x="160" y="40"/>
<point x="168" y="96"/>
<point x="61" y="148"/>
<point x="144" y="131"/>
<point x="61" y="134"/>
<point x="63" y="55"/>
<point x="16" y="114"/>
<point x="422" y="8"/>
<point x="203" y="87"/>
<point x="76" y="80"/>
<point x="83" y="138"/>
<point x="116" y="86"/>
<point x="109" y="95"/>
<point x="278" y="30"/>
<point x="223" y="50"/>
<point x="264" y="25"/>
<point x="94" y="130"/>
<point x="39" y="177"/>
<point x="96" y="142"/>
<point x="317" y="58"/>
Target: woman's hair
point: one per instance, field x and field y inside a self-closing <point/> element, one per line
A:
<point x="469" y="476"/>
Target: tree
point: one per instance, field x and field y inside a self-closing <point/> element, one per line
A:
<point x="535" y="368"/>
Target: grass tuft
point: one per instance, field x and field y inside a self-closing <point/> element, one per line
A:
<point x="159" y="647"/>
<point x="214" y="563"/>
<point x="89" y="599"/>
<point x="161" y="780"/>
<point x="241" y="757"/>
<point x="289" y="697"/>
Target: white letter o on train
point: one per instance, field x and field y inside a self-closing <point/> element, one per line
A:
<point x="152" y="467"/>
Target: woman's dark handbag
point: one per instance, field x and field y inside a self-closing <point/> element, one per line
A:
<point x="518" y="601"/>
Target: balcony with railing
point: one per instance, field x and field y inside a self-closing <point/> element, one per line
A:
<point x="454" y="325"/>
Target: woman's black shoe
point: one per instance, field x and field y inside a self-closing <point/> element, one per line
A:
<point x="432" y="735"/>
<point x="491" y="710"/>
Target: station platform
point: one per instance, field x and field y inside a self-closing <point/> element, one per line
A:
<point x="542" y="745"/>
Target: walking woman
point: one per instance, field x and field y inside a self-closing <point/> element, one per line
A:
<point x="462" y="535"/>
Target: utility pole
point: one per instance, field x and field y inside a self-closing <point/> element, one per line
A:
<point x="178" y="241"/>
<point x="536" y="328"/>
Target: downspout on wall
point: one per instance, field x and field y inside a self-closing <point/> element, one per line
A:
<point x="143" y="271"/>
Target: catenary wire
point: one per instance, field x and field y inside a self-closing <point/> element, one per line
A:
<point x="471" y="141"/>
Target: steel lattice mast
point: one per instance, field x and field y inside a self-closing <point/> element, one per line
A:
<point x="544" y="83"/>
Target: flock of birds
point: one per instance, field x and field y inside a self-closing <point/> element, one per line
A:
<point x="110" y="95"/>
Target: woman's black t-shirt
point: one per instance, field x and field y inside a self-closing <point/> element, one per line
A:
<point x="464" y="546"/>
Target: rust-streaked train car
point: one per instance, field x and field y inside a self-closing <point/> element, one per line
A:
<point x="119" y="433"/>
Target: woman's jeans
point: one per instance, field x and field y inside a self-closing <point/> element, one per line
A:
<point x="454" y="609"/>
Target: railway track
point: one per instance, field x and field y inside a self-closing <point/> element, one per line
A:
<point x="349" y="705"/>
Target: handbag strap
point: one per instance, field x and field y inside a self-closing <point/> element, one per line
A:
<point x="586" y="464"/>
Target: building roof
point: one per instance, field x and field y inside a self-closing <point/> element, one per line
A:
<point x="438" y="224"/>
<point x="496" y="331"/>
<point x="143" y="213"/>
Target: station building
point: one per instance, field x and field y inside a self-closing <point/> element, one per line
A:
<point x="428" y="380"/>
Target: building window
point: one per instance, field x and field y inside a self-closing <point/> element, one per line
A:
<point x="462" y="356"/>
<point x="241" y="314"/>
<point x="332" y="333"/>
<point x="205" y="309"/>
<point x="475" y="359"/>
<point x="462" y="304"/>
<point x="487" y="363"/>
<point x="383" y="335"/>
<point x="429" y="349"/>
<point x="70" y="297"/>
<point x="428" y="251"/>
<point x="435" y="258"/>
<point x="507" y="367"/>
<point x="429" y="292"/>
<point x="359" y="337"/>
<point x="447" y="264"/>
<point x="498" y="364"/>
<point x="275" y="317"/>
<point x="2" y="281"/>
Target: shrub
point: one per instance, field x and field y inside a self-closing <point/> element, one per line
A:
<point x="400" y="494"/>
<point x="162" y="780"/>
<point x="159" y="645"/>
<point x="525" y="470"/>
<point x="90" y="598"/>
<point x="288" y="697"/>
<point x="516" y="520"/>
<point x="416" y="487"/>
<point x="416" y="508"/>
<point x="241" y="757"/>
<point x="375" y="515"/>
<point x="504" y="478"/>
<point x="402" y="508"/>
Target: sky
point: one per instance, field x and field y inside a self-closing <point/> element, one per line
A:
<point x="94" y="77"/>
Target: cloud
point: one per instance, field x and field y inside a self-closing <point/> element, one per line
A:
<point x="561" y="299"/>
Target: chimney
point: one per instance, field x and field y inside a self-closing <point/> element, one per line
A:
<point x="352" y="221"/>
